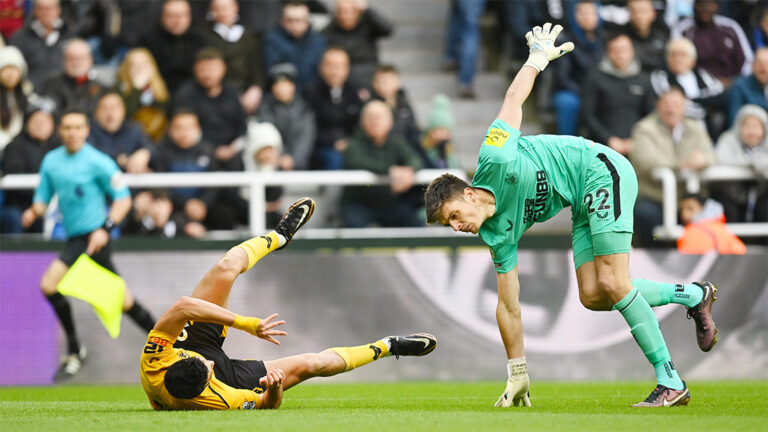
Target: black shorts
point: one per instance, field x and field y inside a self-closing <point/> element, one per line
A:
<point x="76" y="246"/>
<point x="206" y="339"/>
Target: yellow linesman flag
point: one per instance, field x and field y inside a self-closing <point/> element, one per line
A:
<point x="104" y="290"/>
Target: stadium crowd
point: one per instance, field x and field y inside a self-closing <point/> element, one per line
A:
<point x="180" y="86"/>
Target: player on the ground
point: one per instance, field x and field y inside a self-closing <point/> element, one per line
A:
<point x="183" y="365"/>
<point x="82" y="177"/>
<point x="521" y="180"/>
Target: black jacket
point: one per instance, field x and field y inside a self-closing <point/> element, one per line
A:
<point x="611" y="105"/>
<point x="68" y="93"/>
<point x="175" y="55"/>
<point x="222" y="118"/>
<point x="24" y="155"/>
<point x="335" y="118"/>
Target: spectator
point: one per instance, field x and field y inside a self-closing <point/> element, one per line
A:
<point x="144" y="92"/>
<point x="121" y="140"/>
<point x="217" y="107"/>
<point x="745" y="144"/>
<point x="375" y="149"/>
<point x="751" y="89"/>
<point x="14" y="93"/>
<point x="242" y="52"/>
<point x="23" y="156"/>
<point x="705" y="93"/>
<point x="152" y="215"/>
<point x="13" y="13"/>
<point x="571" y="70"/>
<point x="437" y="142"/>
<point x="264" y="153"/>
<point x="74" y="86"/>
<point x="722" y="46"/>
<point x="174" y="43"/>
<point x="388" y="88"/>
<point x="648" y="34"/>
<point x="705" y="229"/>
<point x="759" y="30"/>
<point x="184" y="150"/>
<point x="41" y="39"/>
<point x="463" y="42"/>
<point x="664" y="138"/>
<point x="520" y="16"/>
<point x="337" y="109"/>
<point x="616" y="95"/>
<point x="356" y="28"/>
<point x="292" y="116"/>
<point x="294" y="42"/>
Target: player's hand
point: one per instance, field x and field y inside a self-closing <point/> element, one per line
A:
<point x="273" y="379"/>
<point x="28" y="217"/>
<point x="97" y="240"/>
<point x="263" y="329"/>
<point x="516" y="392"/>
<point x="542" y="49"/>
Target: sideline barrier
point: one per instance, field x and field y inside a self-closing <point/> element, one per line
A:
<point x="335" y="295"/>
<point x="255" y="181"/>
<point x="670" y="230"/>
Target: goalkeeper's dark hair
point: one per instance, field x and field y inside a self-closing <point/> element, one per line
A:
<point x="186" y="378"/>
<point x="444" y="188"/>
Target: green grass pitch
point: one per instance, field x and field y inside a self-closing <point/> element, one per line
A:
<point x="461" y="406"/>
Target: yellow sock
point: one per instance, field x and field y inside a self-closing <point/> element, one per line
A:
<point x="258" y="247"/>
<point x="362" y="355"/>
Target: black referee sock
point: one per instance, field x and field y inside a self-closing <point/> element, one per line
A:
<point x="141" y="316"/>
<point x="64" y="312"/>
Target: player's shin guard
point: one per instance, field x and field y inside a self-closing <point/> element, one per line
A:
<point x="645" y="329"/>
<point x="141" y="316"/>
<point x="258" y="247"/>
<point x="362" y="355"/>
<point x="64" y="312"/>
<point x="659" y="294"/>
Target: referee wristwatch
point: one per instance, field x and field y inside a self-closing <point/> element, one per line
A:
<point x="108" y="225"/>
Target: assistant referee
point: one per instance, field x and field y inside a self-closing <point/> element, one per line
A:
<point x="82" y="177"/>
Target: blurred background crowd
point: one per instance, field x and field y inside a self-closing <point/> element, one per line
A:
<point x="271" y="85"/>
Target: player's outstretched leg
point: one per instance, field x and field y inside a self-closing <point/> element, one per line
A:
<point x="337" y="360"/>
<point x="217" y="283"/>
<point x="697" y="297"/>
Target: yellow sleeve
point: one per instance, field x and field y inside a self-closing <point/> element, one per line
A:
<point x="230" y="397"/>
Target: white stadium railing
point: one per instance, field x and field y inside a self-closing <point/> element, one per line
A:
<point x="255" y="181"/>
<point x="669" y="229"/>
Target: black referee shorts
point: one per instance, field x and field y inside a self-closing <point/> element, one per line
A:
<point x="206" y="339"/>
<point x="76" y="246"/>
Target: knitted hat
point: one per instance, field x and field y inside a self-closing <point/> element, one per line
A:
<point x="260" y="135"/>
<point x="283" y="70"/>
<point x="440" y="114"/>
<point x="11" y="56"/>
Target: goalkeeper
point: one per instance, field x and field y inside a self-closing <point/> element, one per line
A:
<point x="521" y="180"/>
<point x="184" y="367"/>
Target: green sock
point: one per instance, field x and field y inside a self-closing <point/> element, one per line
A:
<point x="645" y="328"/>
<point x="659" y="294"/>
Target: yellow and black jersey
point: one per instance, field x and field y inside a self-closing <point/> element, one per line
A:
<point x="159" y="354"/>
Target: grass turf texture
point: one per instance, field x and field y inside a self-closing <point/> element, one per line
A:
<point x="715" y="406"/>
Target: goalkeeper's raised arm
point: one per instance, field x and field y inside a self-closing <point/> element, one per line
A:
<point x="542" y="50"/>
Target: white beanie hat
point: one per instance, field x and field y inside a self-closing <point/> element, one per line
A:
<point x="11" y="56"/>
<point x="260" y="135"/>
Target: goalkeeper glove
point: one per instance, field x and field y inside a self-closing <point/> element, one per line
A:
<point x="541" y="42"/>
<point x="247" y="324"/>
<point x="516" y="391"/>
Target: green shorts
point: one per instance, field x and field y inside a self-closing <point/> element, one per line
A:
<point x="602" y="224"/>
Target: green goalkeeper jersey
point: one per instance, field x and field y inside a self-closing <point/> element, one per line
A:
<point x="532" y="179"/>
